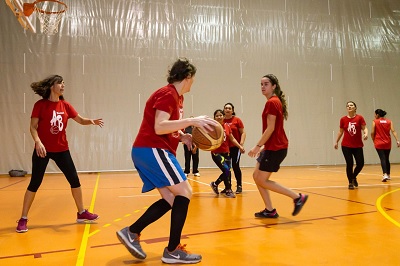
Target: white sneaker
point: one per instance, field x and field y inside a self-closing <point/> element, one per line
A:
<point x="197" y="174"/>
<point x="385" y="178"/>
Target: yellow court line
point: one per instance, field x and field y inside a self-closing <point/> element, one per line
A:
<point x="382" y="211"/>
<point x="82" y="250"/>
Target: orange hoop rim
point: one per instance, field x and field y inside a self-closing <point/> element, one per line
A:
<point x="51" y="12"/>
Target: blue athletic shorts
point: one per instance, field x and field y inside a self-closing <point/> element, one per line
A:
<point x="157" y="168"/>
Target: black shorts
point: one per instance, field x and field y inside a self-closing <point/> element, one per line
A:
<point x="270" y="161"/>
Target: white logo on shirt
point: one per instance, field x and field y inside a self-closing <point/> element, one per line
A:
<point x="56" y="124"/>
<point x="352" y="128"/>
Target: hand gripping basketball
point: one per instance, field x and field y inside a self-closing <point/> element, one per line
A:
<point x="208" y="141"/>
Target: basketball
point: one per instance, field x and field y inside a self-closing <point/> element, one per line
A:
<point x="208" y="141"/>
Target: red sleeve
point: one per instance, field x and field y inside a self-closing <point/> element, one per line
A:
<point x="72" y="113"/>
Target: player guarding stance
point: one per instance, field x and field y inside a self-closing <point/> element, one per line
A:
<point x="154" y="157"/>
<point x="48" y="126"/>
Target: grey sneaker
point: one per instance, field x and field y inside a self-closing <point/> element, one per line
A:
<point x="229" y="194"/>
<point x="180" y="255"/>
<point x="132" y="242"/>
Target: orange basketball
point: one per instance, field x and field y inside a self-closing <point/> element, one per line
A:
<point x="208" y="141"/>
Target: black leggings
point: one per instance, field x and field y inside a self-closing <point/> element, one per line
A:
<point x="359" y="158"/>
<point x="235" y="156"/>
<point x="385" y="163"/>
<point x="223" y="161"/>
<point x="63" y="161"/>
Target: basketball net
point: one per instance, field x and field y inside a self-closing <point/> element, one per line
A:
<point x="49" y="13"/>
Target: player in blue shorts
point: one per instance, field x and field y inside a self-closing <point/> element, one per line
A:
<point x="154" y="157"/>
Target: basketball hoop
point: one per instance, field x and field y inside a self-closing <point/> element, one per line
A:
<point x="49" y="13"/>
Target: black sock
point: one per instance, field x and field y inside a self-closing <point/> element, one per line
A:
<point x="152" y="214"/>
<point x="178" y="218"/>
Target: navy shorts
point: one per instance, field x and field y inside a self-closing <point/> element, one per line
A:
<point x="270" y="161"/>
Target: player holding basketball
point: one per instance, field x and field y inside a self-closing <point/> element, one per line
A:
<point x="222" y="159"/>
<point x="48" y="129"/>
<point x="380" y="133"/>
<point x="154" y="157"/>
<point x="354" y="128"/>
<point x="239" y="134"/>
<point x="275" y="145"/>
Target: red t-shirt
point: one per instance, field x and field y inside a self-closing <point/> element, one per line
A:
<point x="168" y="100"/>
<point x="278" y="140"/>
<point x="224" y="148"/>
<point x="53" y="120"/>
<point x="352" y="131"/>
<point x="382" y="138"/>
<point x="235" y="124"/>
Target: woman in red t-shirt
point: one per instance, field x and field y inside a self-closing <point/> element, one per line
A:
<point x="154" y="156"/>
<point x="222" y="158"/>
<point x="48" y="124"/>
<point x="380" y="133"/>
<point x="238" y="132"/>
<point x="275" y="145"/>
<point x="354" y="129"/>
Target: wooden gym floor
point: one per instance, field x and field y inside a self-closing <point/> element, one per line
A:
<point x="336" y="226"/>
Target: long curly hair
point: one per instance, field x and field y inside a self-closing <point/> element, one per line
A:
<point x="43" y="87"/>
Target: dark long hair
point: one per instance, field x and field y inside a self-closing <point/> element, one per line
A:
<point x="278" y="92"/>
<point x="380" y="113"/>
<point x="180" y="70"/>
<point x="43" y="87"/>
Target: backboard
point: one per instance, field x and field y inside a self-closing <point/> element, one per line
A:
<point x="26" y="22"/>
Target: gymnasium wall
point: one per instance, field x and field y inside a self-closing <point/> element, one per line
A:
<point x="114" y="53"/>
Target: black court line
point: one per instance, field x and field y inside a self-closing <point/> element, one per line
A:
<point x="163" y="239"/>
<point x="37" y="255"/>
<point x="13" y="184"/>
<point x="348" y="200"/>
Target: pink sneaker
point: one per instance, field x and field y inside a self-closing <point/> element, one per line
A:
<point x="86" y="217"/>
<point x="22" y="225"/>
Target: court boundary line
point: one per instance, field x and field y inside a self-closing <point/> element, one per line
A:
<point x="382" y="211"/>
<point x="86" y="235"/>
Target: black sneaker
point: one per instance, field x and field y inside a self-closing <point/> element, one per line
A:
<point x="299" y="203"/>
<point x="214" y="187"/>
<point x="239" y="189"/>
<point x="223" y="191"/>
<point x="355" y="183"/>
<point x="267" y="214"/>
<point x="351" y="186"/>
